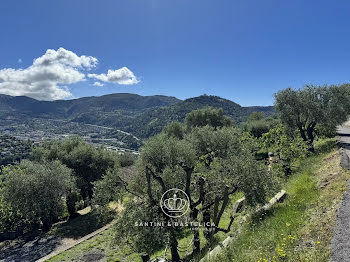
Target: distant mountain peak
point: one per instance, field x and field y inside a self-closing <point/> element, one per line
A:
<point x="142" y="116"/>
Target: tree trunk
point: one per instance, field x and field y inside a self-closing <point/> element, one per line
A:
<point x="311" y="147"/>
<point x="145" y="257"/>
<point x="196" y="240"/>
<point x="310" y="135"/>
<point x="71" y="202"/>
<point x="206" y="221"/>
<point x="175" y="257"/>
<point x="194" y="215"/>
<point x="302" y="133"/>
<point x="196" y="244"/>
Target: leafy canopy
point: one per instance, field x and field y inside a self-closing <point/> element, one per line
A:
<point x="209" y="160"/>
<point x="34" y="193"/>
<point x="313" y="107"/>
<point x="88" y="163"/>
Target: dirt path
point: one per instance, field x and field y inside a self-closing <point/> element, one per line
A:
<point x="340" y="246"/>
<point x="41" y="248"/>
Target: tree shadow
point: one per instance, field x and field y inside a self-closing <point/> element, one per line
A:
<point x="29" y="251"/>
<point x="81" y="225"/>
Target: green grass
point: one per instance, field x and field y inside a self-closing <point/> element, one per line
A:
<point x="300" y="229"/>
<point x="81" y="225"/>
<point x="100" y="244"/>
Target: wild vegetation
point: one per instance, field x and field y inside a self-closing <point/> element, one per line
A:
<point x="12" y="150"/>
<point x="31" y="195"/>
<point x="313" y="110"/>
<point x="211" y="158"/>
<point x="301" y="228"/>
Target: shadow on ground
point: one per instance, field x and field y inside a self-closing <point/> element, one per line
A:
<point x="33" y="250"/>
<point x="81" y="225"/>
<point x="24" y="250"/>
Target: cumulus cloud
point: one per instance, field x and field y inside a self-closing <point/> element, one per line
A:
<point x="47" y="77"/>
<point x="65" y="57"/>
<point x="122" y="76"/>
<point x="98" y="84"/>
<point x="50" y="75"/>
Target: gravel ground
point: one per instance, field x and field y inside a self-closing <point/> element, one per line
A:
<point x="340" y="247"/>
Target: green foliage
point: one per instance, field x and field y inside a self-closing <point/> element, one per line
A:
<point x="12" y="150"/>
<point x="126" y="159"/>
<point x="141" y="238"/>
<point x="143" y="116"/>
<point x="288" y="146"/>
<point x="152" y="121"/>
<point x="108" y="188"/>
<point x="226" y="158"/>
<point x="255" y="116"/>
<point x="207" y="116"/>
<point x="306" y="216"/>
<point x="123" y="139"/>
<point x="257" y="128"/>
<point x="175" y="129"/>
<point x="160" y="152"/>
<point x="257" y="124"/>
<point x="88" y="163"/>
<point x="34" y="194"/>
<point x="212" y="159"/>
<point x="305" y="110"/>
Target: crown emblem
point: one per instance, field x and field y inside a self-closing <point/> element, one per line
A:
<point x="176" y="205"/>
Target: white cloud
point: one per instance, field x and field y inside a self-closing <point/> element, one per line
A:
<point x="98" y="84"/>
<point x="65" y="57"/>
<point x="122" y="76"/>
<point x="46" y="78"/>
<point x="50" y="75"/>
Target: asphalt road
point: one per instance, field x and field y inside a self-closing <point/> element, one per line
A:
<point x="340" y="245"/>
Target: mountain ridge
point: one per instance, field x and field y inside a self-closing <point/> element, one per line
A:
<point x="142" y="116"/>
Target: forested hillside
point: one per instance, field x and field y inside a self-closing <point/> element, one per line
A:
<point x="153" y="121"/>
<point x="142" y="116"/>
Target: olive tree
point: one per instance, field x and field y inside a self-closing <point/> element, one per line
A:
<point x="207" y="116"/>
<point x="313" y="107"/>
<point x="88" y="163"/>
<point x="209" y="164"/>
<point x="35" y="193"/>
<point x="287" y="146"/>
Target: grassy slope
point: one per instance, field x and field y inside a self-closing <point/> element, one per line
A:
<point x="301" y="228"/>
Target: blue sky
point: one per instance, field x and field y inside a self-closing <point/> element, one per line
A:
<point x="241" y="50"/>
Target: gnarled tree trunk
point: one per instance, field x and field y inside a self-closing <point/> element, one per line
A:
<point x="175" y="257"/>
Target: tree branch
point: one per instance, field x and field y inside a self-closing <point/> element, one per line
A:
<point x="223" y="206"/>
<point x="237" y="208"/>
<point x="234" y="190"/>
<point x="157" y="178"/>
<point x="125" y="185"/>
<point x="201" y="193"/>
<point x="188" y="171"/>
<point x="149" y="186"/>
